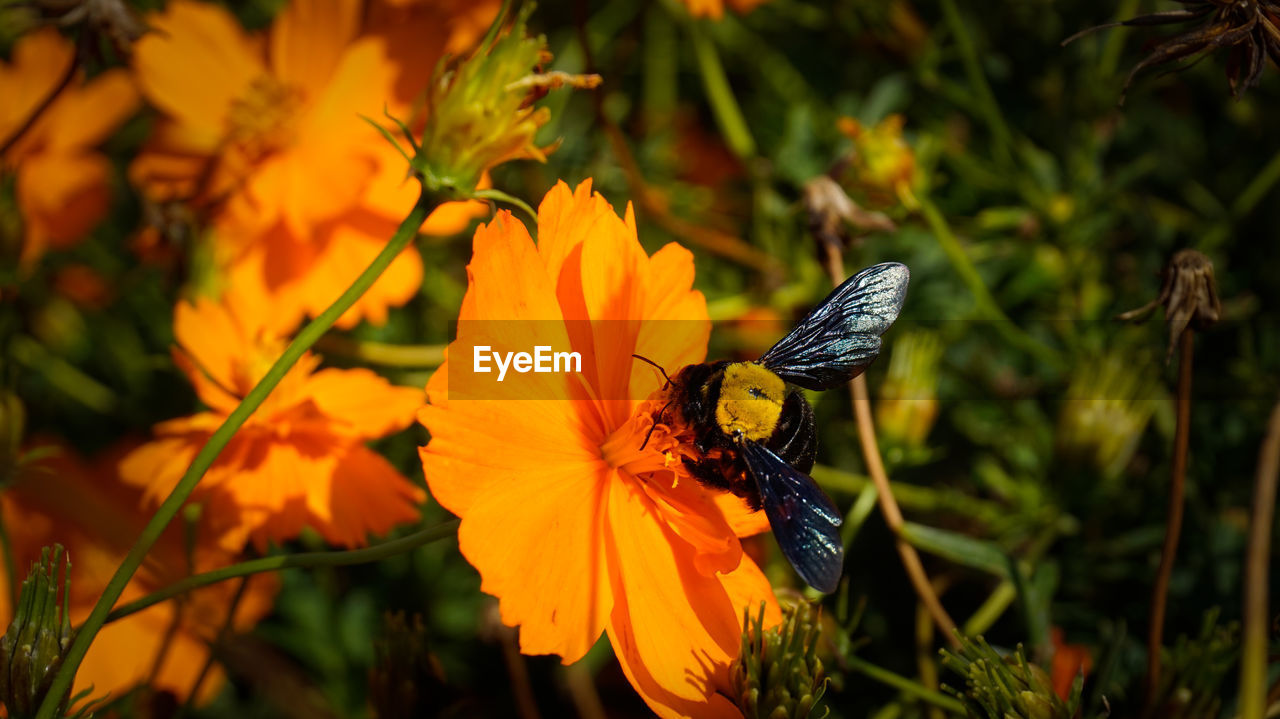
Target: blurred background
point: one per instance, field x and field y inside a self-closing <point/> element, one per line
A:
<point x="1029" y="434"/>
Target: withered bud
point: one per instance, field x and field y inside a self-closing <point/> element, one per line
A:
<point x="832" y="213"/>
<point x="111" y="19"/>
<point x="407" y="679"/>
<point x="1189" y="296"/>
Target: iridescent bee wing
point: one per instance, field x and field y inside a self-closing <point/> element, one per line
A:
<point x="805" y="522"/>
<point x="841" y="336"/>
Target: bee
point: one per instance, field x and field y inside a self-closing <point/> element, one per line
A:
<point x="754" y="431"/>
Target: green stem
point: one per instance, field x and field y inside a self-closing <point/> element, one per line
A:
<point x="720" y="94"/>
<point x="992" y="609"/>
<point x="1249" y="198"/>
<point x="911" y="496"/>
<point x="288" y="561"/>
<point x="903" y="684"/>
<point x="173" y="503"/>
<point x="223" y="632"/>
<point x="63" y="375"/>
<point x="381" y="353"/>
<point x="987" y="305"/>
<point x="857" y="516"/>
<point x="973" y="69"/>
<point x="10" y="565"/>
<point x="1253" y="651"/>
<point x="1115" y="41"/>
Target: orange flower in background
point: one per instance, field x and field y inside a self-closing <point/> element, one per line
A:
<point x="884" y="163"/>
<point x="1069" y="662"/>
<point x="62" y="183"/>
<point x="265" y="133"/>
<point x="300" y="460"/>
<point x="84" y="507"/>
<point x="714" y="9"/>
<point x="571" y="525"/>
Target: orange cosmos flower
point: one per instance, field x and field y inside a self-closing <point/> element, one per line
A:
<point x="84" y="507"/>
<point x="300" y="460"/>
<point x="265" y="134"/>
<point x="572" y="526"/>
<point x="62" y="184"/>
<point x="714" y="9"/>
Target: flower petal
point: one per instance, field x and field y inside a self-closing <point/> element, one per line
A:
<point x="364" y="402"/>
<point x="84" y="116"/>
<point x="308" y="39"/>
<point x="535" y="534"/>
<point x="40" y="60"/>
<point x="195" y="63"/>
<point x="674" y="629"/>
<point x="366" y="496"/>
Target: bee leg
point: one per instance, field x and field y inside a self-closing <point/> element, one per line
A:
<point x="715" y="474"/>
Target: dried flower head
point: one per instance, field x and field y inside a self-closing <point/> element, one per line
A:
<point x="407" y="679"/>
<point x="832" y="213"/>
<point x="113" y="20"/>
<point x="1251" y="28"/>
<point x="1189" y="296"/>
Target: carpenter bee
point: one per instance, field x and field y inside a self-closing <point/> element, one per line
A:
<point x="754" y="431"/>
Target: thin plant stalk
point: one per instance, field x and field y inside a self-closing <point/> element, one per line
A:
<point x="884" y="491"/>
<point x="986" y="303"/>
<point x="306" y="560"/>
<point x="1173" y="527"/>
<point x="902" y="684"/>
<point x="720" y="94"/>
<point x="205" y="458"/>
<point x="10" y="565"/>
<point x="522" y="688"/>
<point x="582" y="691"/>
<point x="654" y="203"/>
<point x="1253" y="651"/>
<point x="978" y="80"/>
<point x="223" y="632"/>
<point x="382" y="353"/>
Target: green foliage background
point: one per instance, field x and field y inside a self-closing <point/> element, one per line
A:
<point x="1068" y="206"/>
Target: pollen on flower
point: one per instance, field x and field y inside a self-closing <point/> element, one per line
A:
<point x="264" y="118"/>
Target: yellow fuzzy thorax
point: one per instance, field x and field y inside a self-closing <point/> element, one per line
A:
<point x="750" y="401"/>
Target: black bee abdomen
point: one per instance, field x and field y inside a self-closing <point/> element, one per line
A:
<point x="795" y="439"/>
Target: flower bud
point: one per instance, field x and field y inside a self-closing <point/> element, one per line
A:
<point x="32" y="649"/>
<point x="883" y="163"/>
<point x="480" y="113"/>
<point x="1004" y="687"/>
<point x="778" y="674"/>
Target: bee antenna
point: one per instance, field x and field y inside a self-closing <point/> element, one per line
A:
<point x="661" y="412"/>
<point x="655" y="364"/>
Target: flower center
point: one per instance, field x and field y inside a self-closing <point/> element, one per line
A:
<point x="262" y="120"/>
